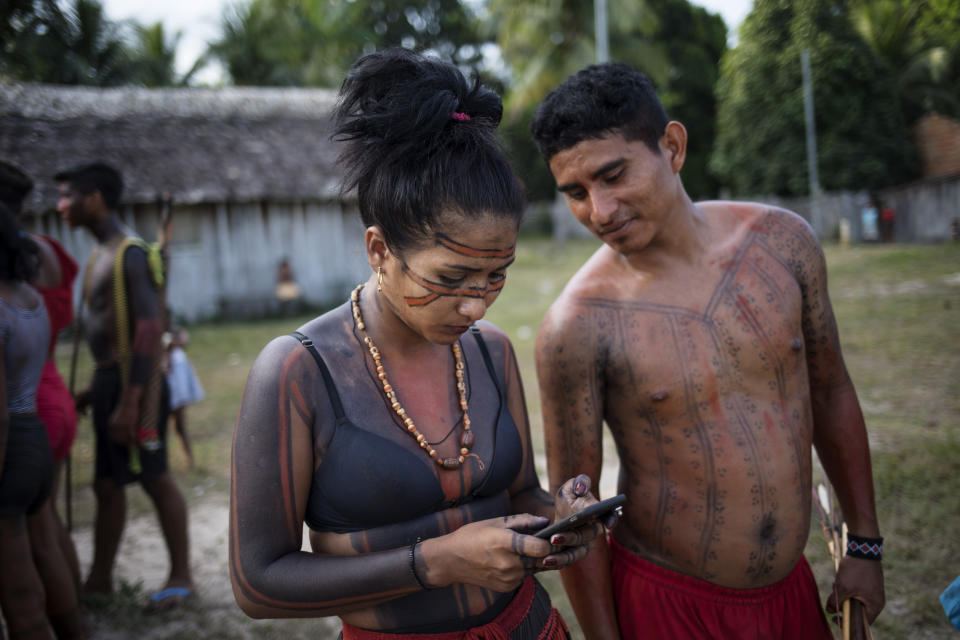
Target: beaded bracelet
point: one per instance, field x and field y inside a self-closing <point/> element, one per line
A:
<point x="866" y="548"/>
<point x="413" y="565"/>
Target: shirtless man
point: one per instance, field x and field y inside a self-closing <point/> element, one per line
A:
<point x="703" y="335"/>
<point x="124" y="404"/>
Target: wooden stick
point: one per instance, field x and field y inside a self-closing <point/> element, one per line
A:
<point x="845" y="619"/>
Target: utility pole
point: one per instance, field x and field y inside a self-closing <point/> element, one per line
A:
<point x="812" y="172"/>
<point x="600" y="24"/>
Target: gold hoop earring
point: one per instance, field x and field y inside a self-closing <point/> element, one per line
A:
<point x="379" y="279"/>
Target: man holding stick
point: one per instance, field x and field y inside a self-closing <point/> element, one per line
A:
<point x="704" y="336"/>
<point x="128" y="394"/>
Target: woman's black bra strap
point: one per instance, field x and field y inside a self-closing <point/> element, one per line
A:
<point x="327" y="378"/>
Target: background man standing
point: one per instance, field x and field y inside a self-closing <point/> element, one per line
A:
<point x="128" y="394"/>
<point x="704" y="336"/>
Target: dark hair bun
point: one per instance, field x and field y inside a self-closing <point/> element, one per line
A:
<point x="419" y="139"/>
<point x="403" y="103"/>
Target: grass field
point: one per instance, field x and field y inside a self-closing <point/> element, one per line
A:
<point x="898" y="308"/>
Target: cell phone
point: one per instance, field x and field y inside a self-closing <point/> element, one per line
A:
<point x="594" y="511"/>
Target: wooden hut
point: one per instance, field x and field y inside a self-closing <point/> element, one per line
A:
<point x="252" y="172"/>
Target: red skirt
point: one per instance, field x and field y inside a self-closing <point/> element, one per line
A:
<point x="56" y="410"/>
<point x="516" y="622"/>
<point x="654" y="602"/>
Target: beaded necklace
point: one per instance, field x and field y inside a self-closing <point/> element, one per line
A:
<point x="466" y="438"/>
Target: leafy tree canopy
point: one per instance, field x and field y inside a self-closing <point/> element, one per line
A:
<point x="761" y="148"/>
<point x="313" y="42"/>
<point x="46" y="41"/>
<point x="919" y="41"/>
<point x="75" y="45"/>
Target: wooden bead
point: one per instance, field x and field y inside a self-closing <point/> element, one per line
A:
<point x="466" y="439"/>
<point x="451" y="463"/>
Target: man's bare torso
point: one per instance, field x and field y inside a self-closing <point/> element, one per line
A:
<point x="100" y="322"/>
<point x="705" y="389"/>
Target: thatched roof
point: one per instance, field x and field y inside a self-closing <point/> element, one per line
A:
<point x="201" y="145"/>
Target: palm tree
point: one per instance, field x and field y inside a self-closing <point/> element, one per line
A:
<point x="923" y="63"/>
<point x="75" y="45"/>
<point x="153" y="57"/>
<point x="544" y="41"/>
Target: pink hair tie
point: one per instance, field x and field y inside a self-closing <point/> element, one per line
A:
<point x="460" y="115"/>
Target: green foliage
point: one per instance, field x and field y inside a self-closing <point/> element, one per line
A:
<point x="694" y="41"/>
<point x="313" y="42"/>
<point x="153" y="57"/>
<point x="920" y="44"/>
<point x="861" y="136"/>
<point x="75" y="45"/>
<point x="44" y="41"/>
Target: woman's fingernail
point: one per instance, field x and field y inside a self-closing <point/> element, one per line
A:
<point x="549" y="562"/>
<point x="558" y="539"/>
<point x="580" y="488"/>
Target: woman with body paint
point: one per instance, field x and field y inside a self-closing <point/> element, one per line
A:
<point x="395" y="425"/>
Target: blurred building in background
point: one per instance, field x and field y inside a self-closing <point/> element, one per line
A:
<point x="252" y="173"/>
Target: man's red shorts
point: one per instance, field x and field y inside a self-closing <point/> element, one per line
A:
<point x="653" y="602"/>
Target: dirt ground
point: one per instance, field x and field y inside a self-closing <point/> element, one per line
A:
<point x="142" y="567"/>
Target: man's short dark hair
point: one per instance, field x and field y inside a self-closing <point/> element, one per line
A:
<point x="97" y="176"/>
<point x="596" y="101"/>
<point x="14" y="186"/>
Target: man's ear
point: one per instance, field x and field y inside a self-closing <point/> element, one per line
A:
<point x="95" y="200"/>
<point x="674" y="144"/>
<point x="376" y="245"/>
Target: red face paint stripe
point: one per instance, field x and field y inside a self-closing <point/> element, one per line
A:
<point x="422" y="300"/>
<point x="464" y="250"/>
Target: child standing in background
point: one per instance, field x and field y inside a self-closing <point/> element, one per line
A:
<point x="185" y="388"/>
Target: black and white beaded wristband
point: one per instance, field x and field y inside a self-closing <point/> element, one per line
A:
<point x="866" y="548"/>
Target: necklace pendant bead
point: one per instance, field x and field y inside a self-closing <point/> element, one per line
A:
<point x="451" y="463"/>
<point x="466" y="439"/>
